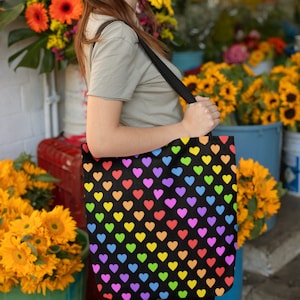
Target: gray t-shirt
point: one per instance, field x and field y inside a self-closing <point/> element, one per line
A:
<point x="118" y="69"/>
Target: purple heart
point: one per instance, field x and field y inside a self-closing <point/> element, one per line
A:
<point x="211" y="221"/>
<point x="146" y="161"/>
<point x="93" y="248"/>
<point x="134" y="286"/>
<point x="180" y="191"/>
<point x="191" y="201"/>
<point x="202" y="211"/>
<point x="103" y="258"/>
<point x="229" y="238"/>
<point x="113" y="267"/>
<point x="220" y="230"/>
<point x="124" y="277"/>
<point x="157" y="171"/>
<point x="145" y="296"/>
<point x="168" y="181"/>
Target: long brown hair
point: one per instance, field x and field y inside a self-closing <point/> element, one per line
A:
<point x="118" y="9"/>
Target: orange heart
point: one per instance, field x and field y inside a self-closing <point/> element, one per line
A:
<point x="201" y="272"/>
<point x="150" y="225"/>
<point x="215" y="148"/>
<point x="88" y="166"/>
<point x="225" y="158"/>
<point x="210" y="282"/>
<point x="139" y="215"/>
<point x="172" y="245"/>
<point x="161" y="235"/>
<point x="128" y="205"/>
<point x="203" y="139"/>
<point x="192" y="263"/>
<point x="233" y="168"/>
<point x="107" y="185"/>
<point x="97" y="175"/>
<point x="219" y="291"/>
<point x="183" y="254"/>
<point x="117" y="195"/>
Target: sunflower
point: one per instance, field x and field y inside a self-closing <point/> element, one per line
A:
<point x="60" y="226"/>
<point x="271" y="100"/>
<point x="192" y="82"/>
<point x="289" y="115"/>
<point x="36" y="17"/>
<point x="291" y="96"/>
<point x="255" y="58"/>
<point x="269" y="117"/>
<point x="228" y="91"/>
<point x="66" y="11"/>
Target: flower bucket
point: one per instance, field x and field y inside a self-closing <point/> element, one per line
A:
<point x="235" y="293"/>
<point x="74" y="291"/>
<point x="262" y="143"/>
<point x="263" y="67"/>
<point x="291" y="162"/>
<point x="187" y="60"/>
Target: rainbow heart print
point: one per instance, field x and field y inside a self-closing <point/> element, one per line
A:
<point x="162" y="225"/>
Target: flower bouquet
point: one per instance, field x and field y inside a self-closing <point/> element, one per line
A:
<point x="50" y="29"/>
<point x="40" y="250"/>
<point x="258" y="199"/>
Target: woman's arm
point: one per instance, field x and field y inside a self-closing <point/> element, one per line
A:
<point x="107" y="138"/>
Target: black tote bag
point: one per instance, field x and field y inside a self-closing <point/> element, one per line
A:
<point x="162" y="224"/>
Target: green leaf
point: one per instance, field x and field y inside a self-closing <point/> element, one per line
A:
<point x="45" y="178"/>
<point x="258" y="225"/>
<point x="47" y="64"/>
<point x="20" y="34"/>
<point x="10" y="14"/>
<point x="252" y="206"/>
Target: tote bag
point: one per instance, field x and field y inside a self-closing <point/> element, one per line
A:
<point x="162" y="224"/>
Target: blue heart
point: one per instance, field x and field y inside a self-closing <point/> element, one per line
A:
<point x="101" y="237"/>
<point x="111" y="247"/>
<point x="122" y="257"/>
<point x="91" y="227"/>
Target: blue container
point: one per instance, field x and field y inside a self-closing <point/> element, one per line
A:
<point x="235" y="293"/>
<point x="262" y="143"/>
<point x="187" y="60"/>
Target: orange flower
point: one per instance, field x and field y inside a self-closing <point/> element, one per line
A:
<point x="36" y="17"/>
<point x="65" y="11"/>
<point x="278" y="43"/>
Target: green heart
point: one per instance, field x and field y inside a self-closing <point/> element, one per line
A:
<point x="109" y="227"/>
<point x="120" y="237"/>
<point x="235" y="206"/>
<point x="175" y="149"/>
<point x="198" y="169"/>
<point x="90" y="206"/>
<point x="182" y="294"/>
<point x="209" y="179"/>
<point x="142" y="257"/>
<point x="131" y="247"/>
<point x="99" y="217"/>
<point x="173" y="285"/>
<point x="228" y="198"/>
<point x="218" y="189"/>
<point x="152" y="267"/>
<point x="163" y="275"/>
<point x="186" y="161"/>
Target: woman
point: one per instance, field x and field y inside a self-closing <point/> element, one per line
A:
<point x="131" y="109"/>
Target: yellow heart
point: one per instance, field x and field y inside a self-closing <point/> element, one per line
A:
<point x="192" y="283"/>
<point x="203" y="139"/>
<point x="215" y="148"/>
<point x="150" y="226"/>
<point x="151" y="246"/>
<point x="185" y="140"/>
<point x="88" y="166"/>
<point x="139" y="215"/>
<point x="162" y="256"/>
<point x="98" y="196"/>
<point x="217" y="168"/>
<point x="117" y="195"/>
<point x="183" y="254"/>
<point x="129" y="226"/>
<point x="140" y="236"/>
<point x="234" y="187"/>
<point x="206" y="159"/>
<point x="128" y="205"/>
<point x="172" y="245"/>
<point x="194" y="150"/>
<point x="107" y="185"/>
<point x="97" y="175"/>
<point x="108" y="206"/>
<point x="172" y="265"/>
<point x="118" y="216"/>
<point x="201" y="272"/>
<point x="225" y="158"/>
<point x="161" y="235"/>
<point x="226" y="178"/>
<point x="219" y="291"/>
<point x="192" y="263"/>
<point x="88" y="186"/>
<point x="201" y="293"/>
<point x="210" y="281"/>
<point x="182" y="274"/>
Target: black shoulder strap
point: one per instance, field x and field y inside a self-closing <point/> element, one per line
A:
<point x="170" y="77"/>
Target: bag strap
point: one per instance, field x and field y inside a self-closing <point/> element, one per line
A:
<point x="169" y="76"/>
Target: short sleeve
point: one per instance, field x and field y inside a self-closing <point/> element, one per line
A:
<point x="113" y="64"/>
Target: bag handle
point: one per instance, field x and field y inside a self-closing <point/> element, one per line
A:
<point x="169" y="76"/>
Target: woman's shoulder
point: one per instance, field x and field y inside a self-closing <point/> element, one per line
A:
<point x="114" y="30"/>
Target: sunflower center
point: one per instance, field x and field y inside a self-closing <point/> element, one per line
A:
<point x="290" y="113"/>
<point x="192" y="87"/>
<point x="19" y="258"/>
<point x="291" y="98"/>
